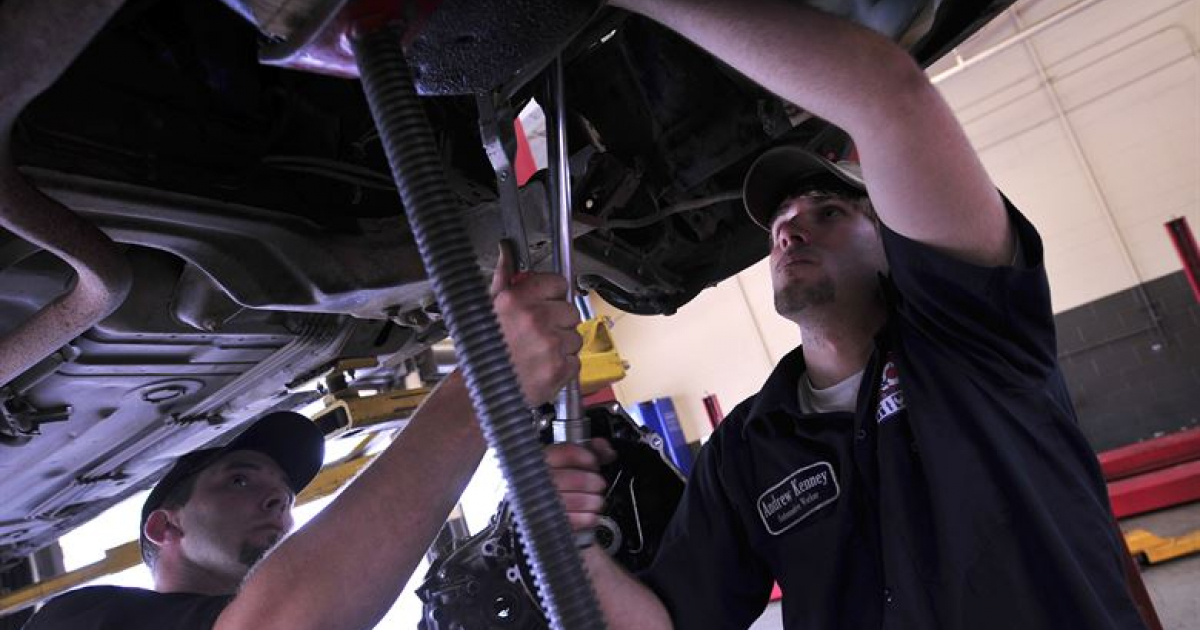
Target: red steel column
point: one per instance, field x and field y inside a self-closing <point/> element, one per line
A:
<point x="1189" y="254"/>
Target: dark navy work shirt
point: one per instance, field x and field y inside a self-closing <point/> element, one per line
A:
<point x="120" y="608"/>
<point x="960" y="494"/>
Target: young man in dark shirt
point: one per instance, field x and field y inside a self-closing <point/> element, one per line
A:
<point x="210" y="528"/>
<point x="916" y="463"/>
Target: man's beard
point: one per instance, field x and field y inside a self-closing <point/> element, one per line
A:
<point x="795" y="298"/>
<point x="250" y="554"/>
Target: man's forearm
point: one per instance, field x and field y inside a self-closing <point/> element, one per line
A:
<point x="626" y="602"/>
<point x="347" y="566"/>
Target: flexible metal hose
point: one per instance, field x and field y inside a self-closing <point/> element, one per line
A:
<point x="439" y="228"/>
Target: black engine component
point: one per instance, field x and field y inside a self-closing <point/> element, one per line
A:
<point x="484" y="582"/>
<point x="466" y="46"/>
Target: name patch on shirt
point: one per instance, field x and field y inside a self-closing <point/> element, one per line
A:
<point x="891" y="397"/>
<point x="787" y="503"/>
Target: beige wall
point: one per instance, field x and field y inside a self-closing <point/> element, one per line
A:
<point x="1127" y="78"/>
<point x="712" y="346"/>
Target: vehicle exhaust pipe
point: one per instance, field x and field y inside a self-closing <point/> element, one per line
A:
<point x="38" y="41"/>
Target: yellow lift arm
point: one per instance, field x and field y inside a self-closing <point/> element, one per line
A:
<point x="115" y="560"/>
<point x="1155" y="549"/>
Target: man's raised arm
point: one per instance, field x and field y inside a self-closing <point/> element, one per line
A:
<point x="922" y="175"/>
<point x="345" y="568"/>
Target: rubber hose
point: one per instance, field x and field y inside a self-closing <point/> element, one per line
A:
<point x="439" y="228"/>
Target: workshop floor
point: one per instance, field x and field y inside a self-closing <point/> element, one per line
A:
<point x="1174" y="585"/>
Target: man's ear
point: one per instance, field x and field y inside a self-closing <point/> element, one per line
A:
<point x="162" y="527"/>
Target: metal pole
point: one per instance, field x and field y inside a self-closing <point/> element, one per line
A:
<point x="438" y="226"/>
<point x="570" y="426"/>
<point x="1093" y="181"/>
<point x="1021" y="36"/>
<point x="1024" y="34"/>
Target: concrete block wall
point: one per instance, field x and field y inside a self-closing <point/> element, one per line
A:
<point x="1130" y="378"/>
<point x="724" y="342"/>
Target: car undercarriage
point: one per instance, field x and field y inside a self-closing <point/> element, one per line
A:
<point x="266" y="244"/>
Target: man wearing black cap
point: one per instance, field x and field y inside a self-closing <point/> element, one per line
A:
<point x="210" y="526"/>
<point x="916" y="464"/>
<point x="278" y="455"/>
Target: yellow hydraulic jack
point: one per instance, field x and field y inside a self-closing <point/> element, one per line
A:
<point x="345" y="411"/>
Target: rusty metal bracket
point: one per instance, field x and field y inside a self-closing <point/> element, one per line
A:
<point x="38" y="40"/>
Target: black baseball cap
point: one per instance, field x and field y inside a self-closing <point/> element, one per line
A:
<point x="780" y="170"/>
<point x="291" y="440"/>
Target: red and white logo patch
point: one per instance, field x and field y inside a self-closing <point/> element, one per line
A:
<point x="891" y="397"/>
